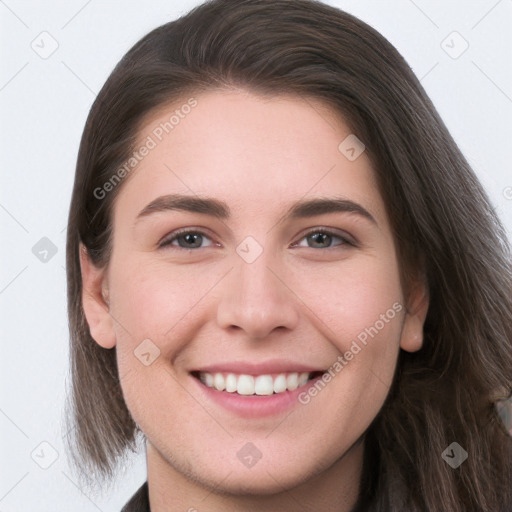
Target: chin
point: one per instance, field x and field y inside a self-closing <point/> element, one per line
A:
<point x="264" y="484"/>
<point x="265" y="480"/>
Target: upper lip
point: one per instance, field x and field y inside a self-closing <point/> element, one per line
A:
<point x="262" y="368"/>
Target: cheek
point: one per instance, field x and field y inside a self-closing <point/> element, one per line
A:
<point x="360" y="311"/>
<point x="145" y="294"/>
<point x="156" y="301"/>
<point x="364" y="370"/>
<point x="351" y="297"/>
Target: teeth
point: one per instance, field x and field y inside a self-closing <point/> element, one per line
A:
<point x="230" y="383"/>
<point x="245" y="385"/>
<point x="264" y="385"/>
<point x="258" y="385"/>
<point x="280" y="383"/>
<point x="303" y="378"/>
<point x="292" y="381"/>
<point x="218" y="382"/>
<point x="208" y="379"/>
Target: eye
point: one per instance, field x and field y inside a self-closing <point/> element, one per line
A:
<point x="321" y="239"/>
<point x="187" y="239"/>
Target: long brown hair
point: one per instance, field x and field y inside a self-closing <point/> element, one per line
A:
<point x="442" y="220"/>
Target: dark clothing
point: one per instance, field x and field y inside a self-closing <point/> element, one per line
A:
<point x="139" y="502"/>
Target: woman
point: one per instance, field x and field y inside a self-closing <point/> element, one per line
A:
<point x="284" y="275"/>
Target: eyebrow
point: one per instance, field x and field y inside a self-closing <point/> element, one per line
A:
<point x="220" y="210"/>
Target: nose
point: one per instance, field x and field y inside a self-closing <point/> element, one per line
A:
<point x="257" y="299"/>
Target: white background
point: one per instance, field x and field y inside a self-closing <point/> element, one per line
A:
<point x="43" y="107"/>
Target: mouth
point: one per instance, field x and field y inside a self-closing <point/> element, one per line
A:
<point x="255" y="385"/>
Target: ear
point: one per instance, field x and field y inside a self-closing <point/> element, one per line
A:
<point x="95" y="301"/>
<point x="411" y="338"/>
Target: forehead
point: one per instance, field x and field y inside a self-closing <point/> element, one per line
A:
<point x="251" y="151"/>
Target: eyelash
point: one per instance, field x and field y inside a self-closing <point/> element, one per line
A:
<point x="345" y="239"/>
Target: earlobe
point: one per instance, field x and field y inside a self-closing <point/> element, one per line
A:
<point x="411" y="338"/>
<point x="95" y="301"/>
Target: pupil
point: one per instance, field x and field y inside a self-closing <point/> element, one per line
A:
<point x="317" y="235"/>
<point x="189" y="238"/>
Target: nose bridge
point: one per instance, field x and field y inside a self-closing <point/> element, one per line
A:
<point x="255" y="299"/>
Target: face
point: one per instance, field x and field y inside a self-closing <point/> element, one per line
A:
<point x="301" y="306"/>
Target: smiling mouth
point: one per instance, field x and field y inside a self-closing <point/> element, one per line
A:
<point x="260" y="385"/>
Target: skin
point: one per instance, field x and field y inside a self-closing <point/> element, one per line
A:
<point x="207" y="305"/>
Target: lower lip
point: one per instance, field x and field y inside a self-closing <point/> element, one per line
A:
<point x="255" y="406"/>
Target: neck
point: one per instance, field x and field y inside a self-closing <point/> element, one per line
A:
<point x="332" y="489"/>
